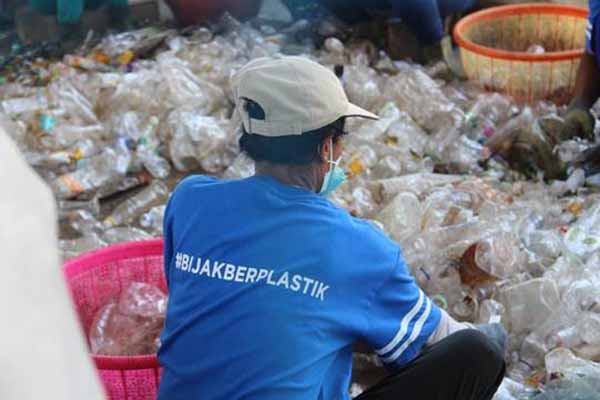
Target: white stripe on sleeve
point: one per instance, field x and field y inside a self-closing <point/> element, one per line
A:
<point x="415" y="333"/>
<point x="403" y="326"/>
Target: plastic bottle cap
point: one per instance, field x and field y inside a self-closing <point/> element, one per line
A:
<point x="126" y="57"/>
<point x="440" y="300"/>
<point x="356" y="167"/>
<point x="77" y="154"/>
<point x="47" y="122"/>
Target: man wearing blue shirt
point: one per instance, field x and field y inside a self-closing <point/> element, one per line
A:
<point x="579" y="120"/>
<point x="271" y="285"/>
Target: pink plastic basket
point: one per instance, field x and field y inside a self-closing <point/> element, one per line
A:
<point x="99" y="276"/>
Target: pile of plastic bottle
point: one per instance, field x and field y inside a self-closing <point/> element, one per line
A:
<point x="116" y="127"/>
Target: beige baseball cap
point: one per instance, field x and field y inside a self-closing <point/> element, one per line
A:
<point x="296" y="94"/>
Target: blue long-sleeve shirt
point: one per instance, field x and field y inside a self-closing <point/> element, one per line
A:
<point x="591" y="32"/>
<point x="269" y="287"/>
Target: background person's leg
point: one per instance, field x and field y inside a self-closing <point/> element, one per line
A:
<point x="422" y="17"/>
<point x="69" y="11"/>
<point x="464" y="366"/>
<point x="449" y="7"/>
<point x="351" y="12"/>
<point x="47" y="7"/>
<point x="119" y="14"/>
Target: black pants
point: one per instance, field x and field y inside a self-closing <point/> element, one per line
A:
<point x="464" y="366"/>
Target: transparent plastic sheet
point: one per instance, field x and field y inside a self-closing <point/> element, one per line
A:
<point x="131" y="324"/>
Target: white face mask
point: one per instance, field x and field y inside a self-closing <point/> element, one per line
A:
<point x="335" y="177"/>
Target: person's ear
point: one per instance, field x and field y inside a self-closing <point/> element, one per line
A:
<point x="324" y="149"/>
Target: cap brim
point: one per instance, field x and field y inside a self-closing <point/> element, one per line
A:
<point x="356" y="111"/>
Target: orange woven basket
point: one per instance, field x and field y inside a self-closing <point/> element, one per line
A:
<point x="494" y="47"/>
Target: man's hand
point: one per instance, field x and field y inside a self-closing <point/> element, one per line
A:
<point x="578" y="122"/>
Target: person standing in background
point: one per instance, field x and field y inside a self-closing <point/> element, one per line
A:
<point x="579" y="120"/>
<point x="69" y="12"/>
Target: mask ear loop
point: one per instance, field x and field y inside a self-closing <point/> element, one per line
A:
<point x="330" y="161"/>
<point x="331" y="151"/>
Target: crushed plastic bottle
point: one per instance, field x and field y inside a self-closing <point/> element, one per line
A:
<point x="74" y="247"/>
<point x="135" y="206"/>
<point x="97" y="172"/>
<point x="18" y="106"/>
<point x="373" y="130"/>
<point x="152" y="221"/>
<point x="402" y="216"/>
<point x="121" y="234"/>
<point x="583" y="238"/>
<point x="529" y="303"/>
<point x="498" y="256"/>
<point x="193" y="138"/>
<point x="410" y="87"/>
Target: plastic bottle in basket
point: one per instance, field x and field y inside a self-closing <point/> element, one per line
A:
<point x="131" y="324"/>
<point x="135" y="206"/>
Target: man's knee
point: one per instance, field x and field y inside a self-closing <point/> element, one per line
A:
<point x="478" y="353"/>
